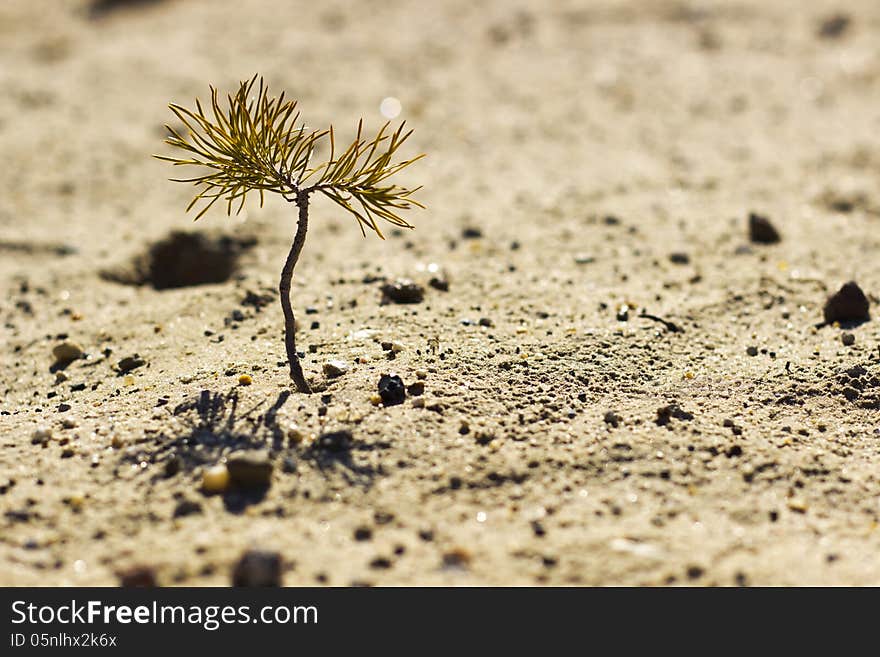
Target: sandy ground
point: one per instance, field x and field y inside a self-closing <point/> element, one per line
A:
<point x="582" y="156"/>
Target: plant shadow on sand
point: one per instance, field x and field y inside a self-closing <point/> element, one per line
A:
<point x="215" y="426"/>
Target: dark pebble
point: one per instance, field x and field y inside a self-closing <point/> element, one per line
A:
<point x="761" y="231"/>
<point x="679" y="258"/>
<point x="382" y="517"/>
<point x="416" y="389"/>
<point x="391" y="389"/>
<point x="612" y="418"/>
<point x="173" y="466"/>
<point x="257" y="568"/>
<point x="471" y="233"/>
<point x="143" y="577"/>
<point x="439" y="283"/>
<point x="129" y="363"/>
<point x="848" y="304"/>
<point x="694" y="572"/>
<point x="380" y="563"/>
<point x="187" y="508"/>
<point x="834" y="26"/>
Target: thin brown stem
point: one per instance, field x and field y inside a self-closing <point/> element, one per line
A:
<point x="296" y="373"/>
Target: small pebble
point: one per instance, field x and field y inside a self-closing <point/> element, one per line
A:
<point x="612" y="418"/>
<point x="679" y="258"/>
<point x="143" y="577"/>
<point x="797" y="505"/>
<point x="249" y="470"/>
<point x="187" y="508"/>
<point x="761" y="231"/>
<point x="848" y="339"/>
<point x="41" y="436"/>
<point x="215" y="479"/>
<point x="67" y="352"/>
<point x="257" y="568"/>
<point x="129" y="363"/>
<point x="848" y="304"/>
<point x="440" y="279"/>
<point x="421" y="374"/>
<point x="334" y="368"/>
<point x="245" y="380"/>
<point x="295" y="436"/>
<point x="752" y="351"/>
<point x="391" y="389"/>
<point x="834" y="26"/>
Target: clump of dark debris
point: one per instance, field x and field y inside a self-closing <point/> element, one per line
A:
<point x="860" y="386"/>
<point x="402" y="291"/>
<point x="182" y="260"/>
<point x="665" y="414"/>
